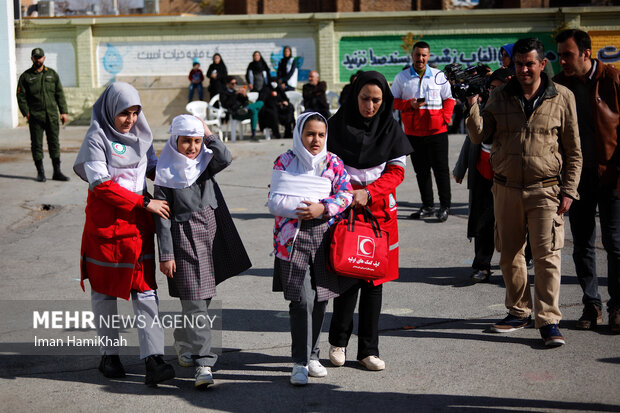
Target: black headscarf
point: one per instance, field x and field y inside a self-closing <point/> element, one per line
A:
<point x="222" y="72"/>
<point x="282" y="70"/>
<point x="259" y="66"/>
<point x="363" y="143"/>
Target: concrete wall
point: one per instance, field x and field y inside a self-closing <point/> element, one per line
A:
<point x="155" y="53"/>
<point x="8" y="82"/>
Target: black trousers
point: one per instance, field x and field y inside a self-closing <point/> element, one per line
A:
<point x="481" y="223"/>
<point x="582" y="215"/>
<point x="341" y="325"/>
<point x="431" y="152"/>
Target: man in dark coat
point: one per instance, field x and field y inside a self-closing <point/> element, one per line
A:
<point x="238" y="105"/>
<point x="276" y="110"/>
<point x="597" y="88"/>
<point x="314" y="95"/>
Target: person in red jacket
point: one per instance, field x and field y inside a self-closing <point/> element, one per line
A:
<point x="196" y="77"/>
<point x="423" y="97"/>
<point x="374" y="149"/>
<point x="117" y="254"/>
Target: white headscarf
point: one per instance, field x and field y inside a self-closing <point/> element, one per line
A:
<point x="104" y="143"/>
<point x="301" y="181"/>
<point x="305" y="160"/>
<point x="175" y="170"/>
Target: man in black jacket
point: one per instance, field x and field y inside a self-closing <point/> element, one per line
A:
<point x="314" y="95"/>
<point x="596" y="87"/>
<point x="237" y="104"/>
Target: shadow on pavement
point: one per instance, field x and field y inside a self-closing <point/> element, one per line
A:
<point x="454" y="276"/>
<point x="460" y="276"/>
<point x="250" y="216"/>
<point x="27" y="178"/>
<point x="251" y="391"/>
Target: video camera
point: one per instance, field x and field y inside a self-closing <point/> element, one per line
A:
<point x="466" y="82"/>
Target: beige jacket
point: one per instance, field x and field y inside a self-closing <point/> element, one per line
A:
<point x="529" y="151"/>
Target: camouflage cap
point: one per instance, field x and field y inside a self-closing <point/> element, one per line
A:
<point x="37" y="52"/>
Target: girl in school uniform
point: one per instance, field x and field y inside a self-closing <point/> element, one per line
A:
<point x="198" y="245"/>
<point x="117" y="253"/>
<point x="309" y="188"/>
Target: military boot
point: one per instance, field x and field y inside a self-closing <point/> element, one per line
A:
<point x="58" y="176"/>
<point x="40" y="171"/>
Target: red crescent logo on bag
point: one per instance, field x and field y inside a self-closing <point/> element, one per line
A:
<point x="365" y="246"/>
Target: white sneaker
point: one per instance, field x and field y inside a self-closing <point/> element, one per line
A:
<point x="184" y="359"/>
<point x="299" y="375"/>
<point x="316" y="369"/>
<point x="203" y="376"/>
<point x="373" y="363"/>
<point x="337" y="355"/>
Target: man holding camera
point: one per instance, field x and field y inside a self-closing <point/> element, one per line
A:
<point x="40" y="97"/>
<point x="426" y="109"/>
<point x="597" y="88"/>
<point x="536" y="158"/>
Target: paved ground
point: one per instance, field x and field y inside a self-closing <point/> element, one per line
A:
<point x="433" y="337"/>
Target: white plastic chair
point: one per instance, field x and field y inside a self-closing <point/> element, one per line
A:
<point x="200" y="108"/>
<point x="216" y="111"/>
<point x="220" y="113"/>
<point x="267" y="133"/>
<point x="234" y="123"/>
<point x="296" y="99"/>
<point x="332" y="100"/>
<point x="252" y="96"/>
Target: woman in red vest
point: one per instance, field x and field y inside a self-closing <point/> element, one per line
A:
<point x="374" y="149"/>
<point x="118" y="256"/>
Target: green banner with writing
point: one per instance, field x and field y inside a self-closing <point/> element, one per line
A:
<point x="385" y="54"/>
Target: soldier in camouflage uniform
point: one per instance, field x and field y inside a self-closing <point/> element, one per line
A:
<point x="40" y="97"/>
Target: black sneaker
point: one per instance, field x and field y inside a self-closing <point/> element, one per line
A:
<point x="511" y="323"/>
<point x="157" y="370"/>
<point x="480" y="276"/>
<point x="422" y="213"/>
<point x="111" y="366"/>
<point x="590" y="318"/>
<point x="551" y="335"/>
<point x="442" y="214"/>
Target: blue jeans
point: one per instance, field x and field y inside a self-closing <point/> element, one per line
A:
<point x="583" y="227"/>
<point x="192" y="87"/>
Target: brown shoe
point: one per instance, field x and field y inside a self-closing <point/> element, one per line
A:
<point x="614" y="320"/>
<point x="590" y="318"/>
